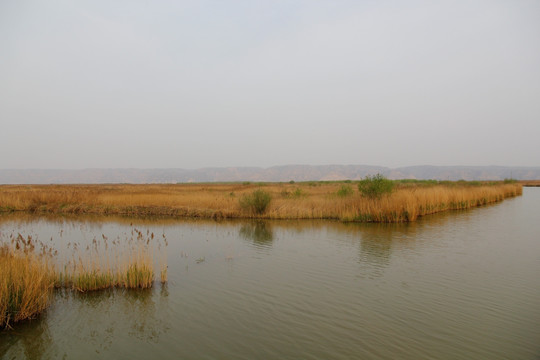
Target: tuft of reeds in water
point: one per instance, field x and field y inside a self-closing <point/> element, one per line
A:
<point x="137" y="276"/>
<point x="106" y="266"/>
<point x="163" y="274"/>
<point x="28" y="273"/>
<point x="26" y="283"/>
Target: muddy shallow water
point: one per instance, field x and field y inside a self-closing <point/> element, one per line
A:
<point x="460" y="285"/>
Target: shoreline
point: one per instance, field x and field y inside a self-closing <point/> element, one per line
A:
<point x="291" y="201"/>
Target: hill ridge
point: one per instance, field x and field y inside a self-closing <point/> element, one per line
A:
<point x="280" y="173"/>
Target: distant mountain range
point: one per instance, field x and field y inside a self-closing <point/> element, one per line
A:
<point x="271" y="174"/>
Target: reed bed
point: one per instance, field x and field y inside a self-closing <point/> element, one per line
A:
<point x="310" y="200"/>
<point x="90" y="274"/>
<point x="30" y="270"/>
<point x="118" y="263"/>
<point x="26" y="282"/>
<point x="410" y="204"/>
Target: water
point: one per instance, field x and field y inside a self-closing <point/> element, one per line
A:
<point x="460" y="285"/>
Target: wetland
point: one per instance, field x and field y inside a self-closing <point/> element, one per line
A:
<point x="453" y="285"/>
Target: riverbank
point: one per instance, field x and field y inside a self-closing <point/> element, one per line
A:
<point x="530" y="183"/>
<point x="307" y="200"/>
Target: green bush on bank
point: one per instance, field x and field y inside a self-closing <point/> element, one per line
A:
<point x="374" y="187"/>
<point x="344" y="191"/>
<point x="255" y="203"/>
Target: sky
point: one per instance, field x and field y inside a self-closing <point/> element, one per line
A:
<point x="193" y="84"/>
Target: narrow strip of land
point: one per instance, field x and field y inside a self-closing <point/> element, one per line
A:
<point x="530" y="183"/>
<point x="344" y="201"/>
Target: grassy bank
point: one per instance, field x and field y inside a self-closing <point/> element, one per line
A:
<point x="309" y="200"/>
<point x="531" y="183"/>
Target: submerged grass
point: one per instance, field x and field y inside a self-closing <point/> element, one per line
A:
<point x="309" y="200"/>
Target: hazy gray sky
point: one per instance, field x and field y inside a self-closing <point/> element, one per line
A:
<point x="190" y="84"/>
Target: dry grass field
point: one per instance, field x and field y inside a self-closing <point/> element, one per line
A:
<point x="309" y="200"/>
<point x="532" y="183"/>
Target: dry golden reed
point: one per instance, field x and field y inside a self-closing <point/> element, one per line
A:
<point x="27" y="275"/>
<point x="90" y="274"/>
<point x="29" y="272"/>
<point x="26" y="282"/>
<point x="410" y="203"/>
<point x="315" y="200"/>
<point x="106" y="264"/>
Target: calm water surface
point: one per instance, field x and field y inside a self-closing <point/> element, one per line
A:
<point x="462" y="285"/>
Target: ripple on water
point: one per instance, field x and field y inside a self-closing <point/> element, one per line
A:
<point x="461" y="285"/>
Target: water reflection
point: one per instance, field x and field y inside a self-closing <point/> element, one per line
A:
<point x="26" y="218"/>
<point x="117" y="306"/>
<point x="374" y="241"/>
<point x="94" y="321"/>
<point x="260" y="232"/>
<point x="29" y="338"/>
<point x="375" y="250"/>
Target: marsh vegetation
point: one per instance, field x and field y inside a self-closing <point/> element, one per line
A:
<point x="373" y="199"/>
<point x="26" y="282"/>
<point x="31" y="269"/>
<point x="417" y="290"/>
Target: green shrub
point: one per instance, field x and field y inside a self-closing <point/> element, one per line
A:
<point x="298" y="193"/>
<point x="344" y="191"/>
<point x="255" y="203"/>
<point x="374" y="187"/>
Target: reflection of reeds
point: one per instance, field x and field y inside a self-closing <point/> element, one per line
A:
<point x="318" y="200"/>
<point x="28" y="273"/>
